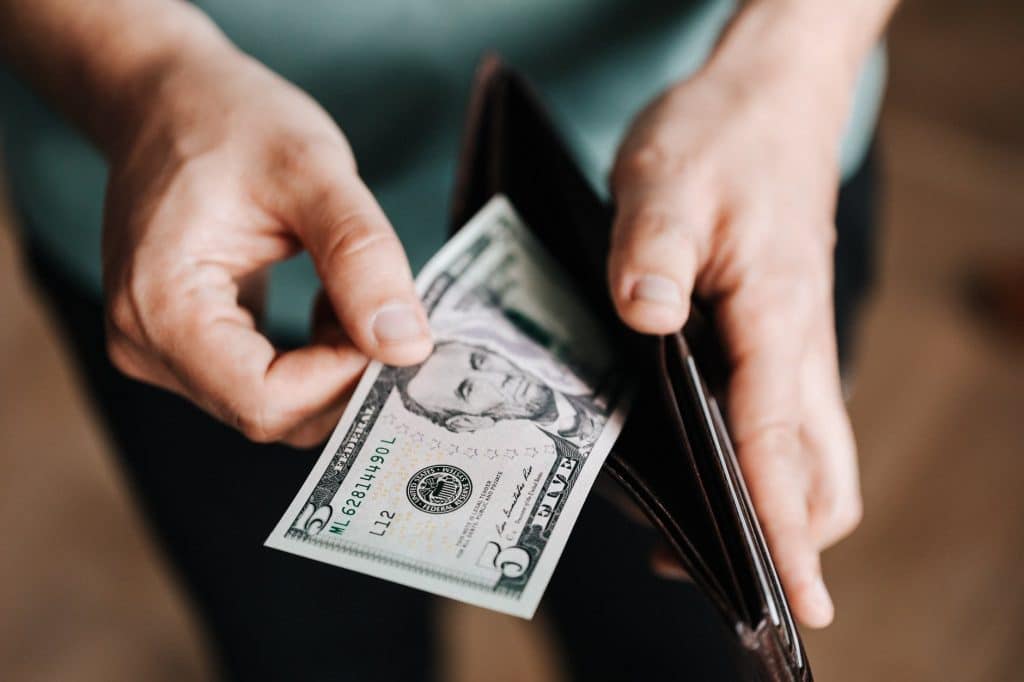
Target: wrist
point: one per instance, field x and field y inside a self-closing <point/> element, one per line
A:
<point x="780" y="47"/>
<point x="144" y="76"/>
<point x="837" y="34"/>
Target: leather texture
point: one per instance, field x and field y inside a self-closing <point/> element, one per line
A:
<point x="673" y="457"/>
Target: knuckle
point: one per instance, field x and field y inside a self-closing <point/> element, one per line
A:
<point x="653" y="157"/>
<point x="252" y="430"/>
<point x="354" y="235"/>
<point x="140" y="303"/>
<point x="794" y="289"/>
<point x="256" y="428"/>
<point x="771" y="445"/>
<point x="261" y="423"/>
<point x="779" y="305"/>
<point x="838" y="516"/>
<point x="313" y="162"/>
<point x="647" y="224"/>
<point x="121" y="316"/>
<point x="658" y="233"/>
<point x="661" y="160"/>
<point x="770" y="324"/>
<point x="298" y="441"/>
<point x="813" y="275"/>
<point x="297" y="155"/>
<point x="302" y="438"/>
<point x="847" y="516"/>
<point x="121" y="357"/>
<point x="780" y="439"/>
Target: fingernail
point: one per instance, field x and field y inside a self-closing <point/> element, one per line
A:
<point x="656" y="289"/>
<point x="821" y="602"/>
<point x="397" y="323"/>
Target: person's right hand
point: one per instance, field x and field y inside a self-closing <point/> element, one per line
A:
<point x="228" y="170"/>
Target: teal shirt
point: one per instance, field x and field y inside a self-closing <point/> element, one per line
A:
<point x="395" y="75"/>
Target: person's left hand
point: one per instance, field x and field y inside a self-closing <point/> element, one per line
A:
<point x="726" y="185"/>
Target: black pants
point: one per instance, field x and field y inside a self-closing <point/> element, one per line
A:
<point x="212" y="498"/>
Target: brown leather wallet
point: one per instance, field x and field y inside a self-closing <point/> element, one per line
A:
<point x="674" y="457"/>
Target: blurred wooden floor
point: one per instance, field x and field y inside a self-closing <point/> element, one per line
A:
<point x="930" y="588"/>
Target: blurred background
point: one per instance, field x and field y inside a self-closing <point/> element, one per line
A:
<point x="930" y="587"/>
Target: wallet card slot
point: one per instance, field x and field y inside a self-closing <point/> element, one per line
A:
<point x="700" y="347"/>
<point x="735" y="482"/>
<point x="763" y="591"/>
<point x="648" y="461"/>
<point x="681" y="400"/>
<point x="778" y="606"/>
<point x="690" y="559"/>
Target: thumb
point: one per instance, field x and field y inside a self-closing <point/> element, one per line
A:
<point x="657" y="250"/>
<point x="364" y="271"/>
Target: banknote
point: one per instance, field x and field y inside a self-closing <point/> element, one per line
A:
<point x="463" y="476"/>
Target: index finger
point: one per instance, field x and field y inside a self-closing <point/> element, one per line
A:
<point x="766" y="342"/>
<point x="362" y="265"/>
<point x="225" y="365"/>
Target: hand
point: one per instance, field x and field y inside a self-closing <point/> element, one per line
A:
<point x="726" y="186"/>
<point x="229" y="170"/>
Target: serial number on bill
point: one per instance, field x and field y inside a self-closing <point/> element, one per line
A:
<point x="357" y="494"/>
